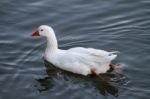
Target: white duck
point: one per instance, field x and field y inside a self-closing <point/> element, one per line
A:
<point x="78" y="60"/>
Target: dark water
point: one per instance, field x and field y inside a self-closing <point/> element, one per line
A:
<point x="122" y="25"/>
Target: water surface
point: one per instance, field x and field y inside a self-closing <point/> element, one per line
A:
<point x="122" y="25"/>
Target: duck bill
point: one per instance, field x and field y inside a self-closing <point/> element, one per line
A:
<point x="36" y="33"/>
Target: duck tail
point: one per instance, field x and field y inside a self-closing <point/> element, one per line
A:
<point x="113" y="55"/>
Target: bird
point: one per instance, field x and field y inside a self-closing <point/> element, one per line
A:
<point x="78" y="60"/>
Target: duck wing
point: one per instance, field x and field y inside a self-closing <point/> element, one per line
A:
<point x="101" y="54"/>
<point x="81" y="60"/>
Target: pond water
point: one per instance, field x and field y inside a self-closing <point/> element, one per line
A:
<point x="121" y="25"/>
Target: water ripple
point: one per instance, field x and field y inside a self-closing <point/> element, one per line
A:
<point x="110" y="25"/>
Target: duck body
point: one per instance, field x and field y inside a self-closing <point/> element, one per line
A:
<point x="81" y="60"/>
<point x="77" y="60"/>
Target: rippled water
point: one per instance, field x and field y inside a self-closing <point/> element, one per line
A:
<point x="122" y="25"/>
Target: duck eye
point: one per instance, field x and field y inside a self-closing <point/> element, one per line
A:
<point x="41" y="30"/>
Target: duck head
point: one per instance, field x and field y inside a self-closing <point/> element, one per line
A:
<point x="48" y="32"/>
<point x="43" y="30"/>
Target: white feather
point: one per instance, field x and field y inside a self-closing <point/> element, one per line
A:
<point x="77" y="60"/>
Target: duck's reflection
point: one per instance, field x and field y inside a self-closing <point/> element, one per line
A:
<point x="45" y="84"/>
<point x="104" y="87"/>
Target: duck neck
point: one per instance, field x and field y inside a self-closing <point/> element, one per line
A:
<point x="52" y="44"/>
